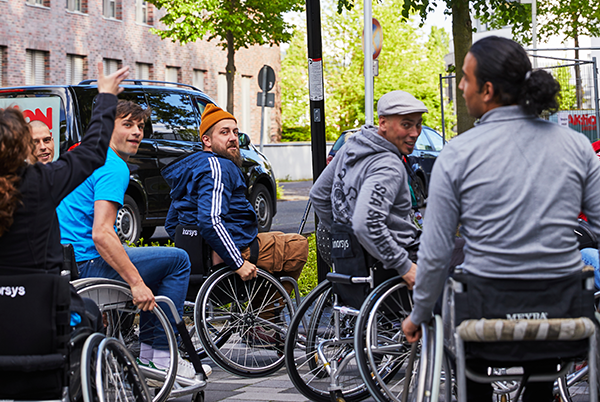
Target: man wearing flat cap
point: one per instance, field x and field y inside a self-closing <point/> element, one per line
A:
<point x="208" y="192"/>
<point x="366" y="185"/>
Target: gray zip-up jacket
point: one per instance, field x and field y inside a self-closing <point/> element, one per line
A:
<point x="366" y="185"/>
<point x="516" y="184"/>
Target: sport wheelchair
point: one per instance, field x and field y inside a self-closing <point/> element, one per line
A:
<point x="125" y="322"/>
<point x="482" y="336"/>
<point x="321" y="357"/>
<point x="240" y="325"/>
<point x="44" y="357"/>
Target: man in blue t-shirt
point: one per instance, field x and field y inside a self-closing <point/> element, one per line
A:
<point x="87" y="218"/>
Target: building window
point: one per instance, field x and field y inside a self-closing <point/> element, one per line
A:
<point x="141" y="11"/>
<point x="172" y="74"/>
<point x="222" y="90"/>
<point x="111" y="9"/>
<point x="44" y="3"/>
<point x="198" y="79"/>
<point x="246" y="99"/>
<point x="75" y="69"/>
<point x="35" y="67"/>
<point x="79" y="6"/>
<point x="110" y="65"/>
<point x="143" y="71"/>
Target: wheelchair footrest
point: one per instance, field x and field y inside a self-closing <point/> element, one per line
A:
<point x="498" y="330"/>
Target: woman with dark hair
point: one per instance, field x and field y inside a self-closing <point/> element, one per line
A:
<point x="514" y="183"/>
<point x="29" y="194"/>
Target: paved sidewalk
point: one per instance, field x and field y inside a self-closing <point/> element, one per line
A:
<point x="223" y="386"/>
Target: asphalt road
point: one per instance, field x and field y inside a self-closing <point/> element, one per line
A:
<point x="290" y="210"/>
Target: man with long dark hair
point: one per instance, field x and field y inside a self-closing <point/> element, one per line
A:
<point x="515" y="183"/>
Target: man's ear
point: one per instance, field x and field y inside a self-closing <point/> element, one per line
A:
<point x="487" y="90"/>
<point x="206" y="141"/>
<point x="382" y="123"/>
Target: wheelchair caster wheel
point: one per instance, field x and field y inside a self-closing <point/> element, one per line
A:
<point x="337" y="396"/>
<point x="199" y="397"/>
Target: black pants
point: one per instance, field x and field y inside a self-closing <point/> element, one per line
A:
<point x="533" y="392"/>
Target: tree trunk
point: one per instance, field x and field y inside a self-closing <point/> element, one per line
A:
<point x="463" y="38"/>
<point x="578" y="86"/>
<point x="230" y="71"/>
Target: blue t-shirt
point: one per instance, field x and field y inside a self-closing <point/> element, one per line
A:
<point x="76" y="211"/>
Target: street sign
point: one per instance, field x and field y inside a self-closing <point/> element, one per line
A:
<point x="270" y="82"/>
<point x="270" y="100"/>
<point x="377" y="38"/>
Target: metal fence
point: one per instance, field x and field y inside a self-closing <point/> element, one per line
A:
<point x="578" y="99"/>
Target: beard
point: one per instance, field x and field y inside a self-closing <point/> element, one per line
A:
<point x="233" y="155"/>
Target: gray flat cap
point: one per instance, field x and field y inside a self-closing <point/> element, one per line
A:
<point x="399" y="102"/>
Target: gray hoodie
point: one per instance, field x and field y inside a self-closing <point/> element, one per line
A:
<point x="366" y="185"/>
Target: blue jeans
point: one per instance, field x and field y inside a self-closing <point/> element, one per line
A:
<point x="165" y="270"/>
<point x="590" y="257"/>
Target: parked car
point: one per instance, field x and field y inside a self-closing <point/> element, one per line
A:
<point x="427" y="148"/>
<point x="173" y="130"/>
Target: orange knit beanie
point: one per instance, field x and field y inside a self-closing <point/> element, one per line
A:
<point x="211" y="116"/>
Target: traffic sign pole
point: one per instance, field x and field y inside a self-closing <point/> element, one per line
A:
<point x="264" y="103"/>
<point x="368" y="62"/>
<point x="317" y="103"/>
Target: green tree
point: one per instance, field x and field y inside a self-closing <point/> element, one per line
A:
<point x="410" y="61"/>
<point x="567" y="99"/>
<point x="567" y="19"/>
<point x="235" y="24"/>
<point x="294" y="90"/>
<point x="462" y="35"/>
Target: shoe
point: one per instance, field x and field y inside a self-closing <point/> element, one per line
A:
<point x="149" y="381"/>
<point x="259" y="337"/>
<point x="186" y="369"/>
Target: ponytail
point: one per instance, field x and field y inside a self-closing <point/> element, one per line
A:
<point x="539" y="93"/>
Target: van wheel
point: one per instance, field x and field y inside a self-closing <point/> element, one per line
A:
<point x="263" y="206"/>
<point x="129" y="222"/>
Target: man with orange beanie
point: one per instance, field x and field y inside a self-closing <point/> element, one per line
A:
<point x="208" y="193"/>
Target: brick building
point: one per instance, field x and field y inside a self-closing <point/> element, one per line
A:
<point x="60" y="42"/>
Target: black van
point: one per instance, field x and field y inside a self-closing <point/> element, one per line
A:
<point x="173" y="130"/>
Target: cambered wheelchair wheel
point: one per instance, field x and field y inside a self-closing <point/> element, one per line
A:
<point x="117" y="376"/>
<point x="383" y="354"/>
<point x="574" y="386"/>
<point x="125" y="322"/>
<point x="242" y="325"/>
<point x="313" y="351"/>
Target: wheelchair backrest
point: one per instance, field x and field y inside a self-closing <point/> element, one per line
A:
<point x="35" y="315"/>
<point x="524" y="299"/>
<point x="188" y="238"/>
<point x="350" y="258"/>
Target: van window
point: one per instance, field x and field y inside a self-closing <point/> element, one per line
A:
<point x="173" y="117"/>
<point x="47" y="108"/>
<point x="86" y="97"/>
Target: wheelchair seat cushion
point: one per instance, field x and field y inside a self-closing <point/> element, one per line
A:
<point x="569" y="329"/>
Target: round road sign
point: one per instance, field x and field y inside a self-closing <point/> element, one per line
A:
<point x="270" y="82"/>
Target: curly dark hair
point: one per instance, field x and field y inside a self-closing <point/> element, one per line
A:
<point x="505" y="64"/>
<point x="15" y="146"/>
